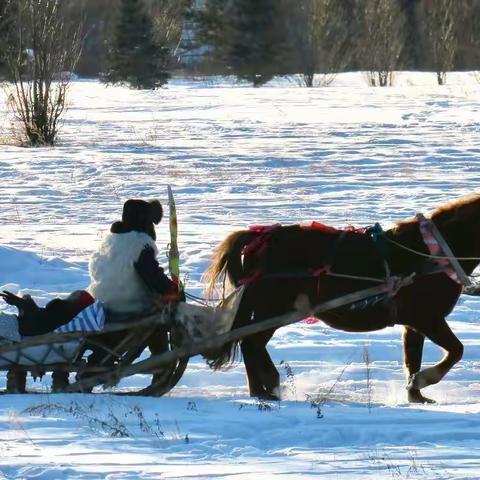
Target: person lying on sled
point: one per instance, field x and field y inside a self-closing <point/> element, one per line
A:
<point x="35" y="320"/>
<point x="59" y="313"/>
<point x="125" y="274"/>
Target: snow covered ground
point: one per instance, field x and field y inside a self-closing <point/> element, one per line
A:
<point x="236" y="156"/>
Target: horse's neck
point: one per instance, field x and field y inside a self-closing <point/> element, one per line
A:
<point x="464" y="241"/>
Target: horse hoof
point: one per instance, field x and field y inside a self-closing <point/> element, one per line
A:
<point x="418" y="381"/>
<point x="266" y="396"/>
<point x="415" y="396"/>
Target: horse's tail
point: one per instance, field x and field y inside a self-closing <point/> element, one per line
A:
<point x="227" y="260"/>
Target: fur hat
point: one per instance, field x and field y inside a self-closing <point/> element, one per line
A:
<point x="139" y="216"/>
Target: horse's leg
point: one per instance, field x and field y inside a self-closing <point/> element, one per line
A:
<point x="269" y="373"/>
<point x="251" y="351"/>
<point x="439" y="333"/>
<point x="412" y="353"/>
<point x="251" y="345"/>
<point x="263" y="377"/>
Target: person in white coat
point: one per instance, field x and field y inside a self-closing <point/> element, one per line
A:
<point x="124" y="272"/>
<point x="126" y="276"/>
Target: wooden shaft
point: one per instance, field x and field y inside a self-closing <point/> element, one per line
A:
<point x="156" y="362"/>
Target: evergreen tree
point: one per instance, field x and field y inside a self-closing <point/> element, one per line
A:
<point x="134" y="58"/>
<point x="98" y="27"/>
<point x="8" y="12"/>
<point x="410" y="58"/>
<point x="257" y="40"/>
<point x="468" y="54"/>
<point x="208" y="33"/>
<point x="246" y="37"/>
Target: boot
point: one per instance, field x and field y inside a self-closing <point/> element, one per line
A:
<point x="59" y="380"/>
<point x="16" y="381"/>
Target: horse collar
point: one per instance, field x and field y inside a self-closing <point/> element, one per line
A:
<point x="431" y="239"/>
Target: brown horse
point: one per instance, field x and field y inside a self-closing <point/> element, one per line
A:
<point x="291" y="264"/>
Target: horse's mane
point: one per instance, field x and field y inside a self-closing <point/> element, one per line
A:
<point x="461" y="208"/>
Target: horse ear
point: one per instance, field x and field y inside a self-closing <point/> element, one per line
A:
<point x="156" y="211"/>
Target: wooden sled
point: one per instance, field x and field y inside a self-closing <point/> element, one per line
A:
<point x="119" y="345"/>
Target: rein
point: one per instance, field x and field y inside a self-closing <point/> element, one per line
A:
<point x="200" y="300"/>
<point x="427" y="255"/>
<point x="323" y="271"/>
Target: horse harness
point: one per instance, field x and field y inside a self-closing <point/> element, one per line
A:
<point x="259" y="244"/>
<point x="439" y="250"/>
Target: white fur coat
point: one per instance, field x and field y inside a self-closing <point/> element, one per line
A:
<point x="114" y="280"/>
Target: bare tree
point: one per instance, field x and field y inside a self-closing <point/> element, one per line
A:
<point x="40" y="60"/>
<point x="438" y="19"/>
<point x="168" y="22"/>
<point x="318" y="31"/>
<point x="468" y="36"/>
<point x="382" y="27"/>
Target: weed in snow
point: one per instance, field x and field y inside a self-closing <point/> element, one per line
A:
<point x="406" y="466"/>
<point x="318" y="400"/>
<point x="17" y="422"/>
<point x="367" y="359"/>
<point x="260" y="405"/>
<point x="111" y="422"/>
<point x="290" y="383"/>
<point x="108" y="423"/>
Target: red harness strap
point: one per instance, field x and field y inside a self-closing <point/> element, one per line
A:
<point x="320" y="226"/>
<point x="327" y="229"/>
<point x="264" y="228"/>
<point x="251" y="278"/>
<point x="258" y="245"/>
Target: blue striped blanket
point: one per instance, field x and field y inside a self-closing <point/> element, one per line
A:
<point x="90" y="319"/>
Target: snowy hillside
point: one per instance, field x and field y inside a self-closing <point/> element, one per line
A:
<point x="237" y="156"/>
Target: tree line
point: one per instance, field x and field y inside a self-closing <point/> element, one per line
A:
<point x="140" y="43"/>
<point x="257" y="39"/>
